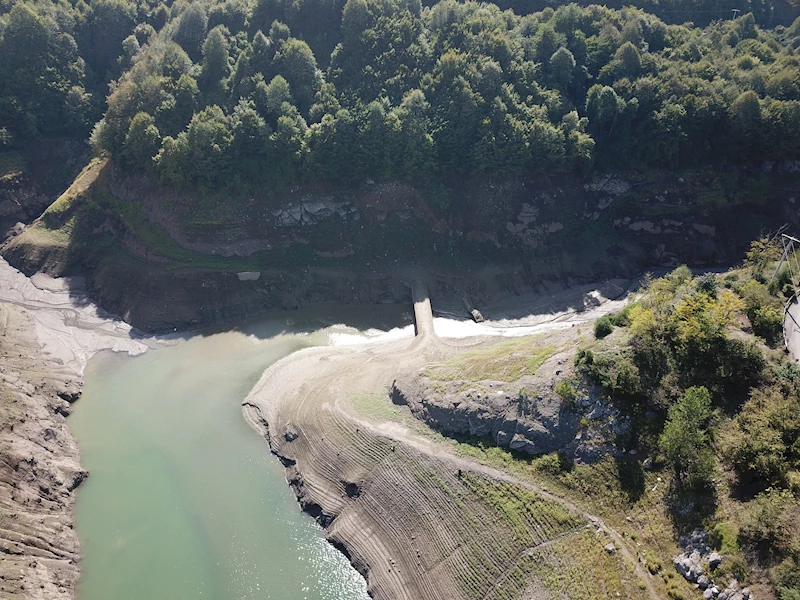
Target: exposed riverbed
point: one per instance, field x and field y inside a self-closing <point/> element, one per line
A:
<point x="183" y="500"/>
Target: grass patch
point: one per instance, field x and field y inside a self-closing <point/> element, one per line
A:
<point x="378" y="407"/>
<point x="577" y="567"/>
<point x="42" y="236"/>
<point x="503" y="361"/>
<point x="531" y="517"/>
<point x="73" y="218"/>
<point x="631" y="502"/>
<point x="724" y="538"/>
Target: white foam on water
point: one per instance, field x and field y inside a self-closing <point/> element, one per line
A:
<point x="341" y="335"/>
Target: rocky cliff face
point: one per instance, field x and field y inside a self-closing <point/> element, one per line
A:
<point x="165" y="259"/>
<point x="526" y="415"/>
<point x="39" y="468"/>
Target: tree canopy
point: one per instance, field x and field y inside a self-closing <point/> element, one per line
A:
<point x="389" y="88"/>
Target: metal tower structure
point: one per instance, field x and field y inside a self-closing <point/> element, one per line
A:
<point x="789" y="258"/>
<point x="791" y="316"/>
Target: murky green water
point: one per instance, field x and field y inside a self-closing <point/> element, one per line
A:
<point x="184" y="501"/>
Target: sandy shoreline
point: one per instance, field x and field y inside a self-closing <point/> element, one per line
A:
<point x="339" y="467"/>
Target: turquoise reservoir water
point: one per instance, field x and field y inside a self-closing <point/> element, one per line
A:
<point x="184" y="501"/>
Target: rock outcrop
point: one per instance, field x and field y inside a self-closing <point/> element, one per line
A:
<point x="39" y="468"/>
<point x="697" y="564"/>
<point x="526" y="415"/>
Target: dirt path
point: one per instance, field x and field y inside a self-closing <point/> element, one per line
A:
<point x="299" y="405"/>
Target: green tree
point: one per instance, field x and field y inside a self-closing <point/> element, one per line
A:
<point x="172" y="160"/>
<point x="208" y="139"/>
<point x="687" y="437"/>
<point x="191" y="31"/>
<point x="746" y="123"/>
<point x="297" y="64"/>
<point x="215" y="60"/>
<point x="108" y="23"/>
<point x="355" y="18"/>
<point x="761" y="447"/>
<point x="142" y="142"/>
<point x="628" y="61"/>
<point x="603" y="107"/>
<point x="178" y="106"/>
<point x="562" y="67"/>
<point x="250" y="143"/>
<point x="416" y="141"/>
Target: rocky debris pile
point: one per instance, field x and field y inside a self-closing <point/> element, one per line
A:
<point x="310" y="212"/>
<point x="697" y="563"/>
<point x="604" y="424"/>
<point x="666" y="226"/>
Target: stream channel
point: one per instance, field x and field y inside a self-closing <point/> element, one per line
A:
<point x="184" y="500"/>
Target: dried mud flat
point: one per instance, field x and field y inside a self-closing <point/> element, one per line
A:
<point x="47" y="335"/>
<point x="417" y="521"/>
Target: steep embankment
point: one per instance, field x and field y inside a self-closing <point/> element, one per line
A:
<point x="39" y="467"/>
<point x="46" y="337"/>
<point x="419" y="522"/>
<point x="33" y="176"/>
<point x="163" y="258"/>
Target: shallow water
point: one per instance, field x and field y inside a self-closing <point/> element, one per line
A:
<point x="184" y="501"/>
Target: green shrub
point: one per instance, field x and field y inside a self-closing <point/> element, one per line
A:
<point x="761" y="445"/>
<point x="764" y="310"/>
<point x="767" y="524"/>
<point x="707" y="284"/>
<point x="602" y="327"/>
<point x="686" y="440"/>
<point x="623" y="318"/>
<point x="789" y="372"/>
<point x="680" y="276"/>
<point x="787" y="579"/>
<point x="780" y="281"/>
<point x="768" y="323"/>
<point x="615" y="371"/>
<point x="567" y="391"/>
<point x="584" y="358"/>
<point x="554" y="463"/>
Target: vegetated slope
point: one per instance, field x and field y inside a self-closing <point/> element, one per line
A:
<point x="457" y="132"/>
<point x="697" y="351"/>
<point x="456" y="88"/>
<point x="697" y="367"/>
<point x="164" y="258"/>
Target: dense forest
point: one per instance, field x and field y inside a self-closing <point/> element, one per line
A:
<point x="238" y="94"/>
<point x="698" y="350"/>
